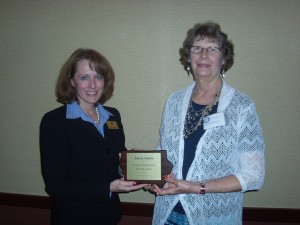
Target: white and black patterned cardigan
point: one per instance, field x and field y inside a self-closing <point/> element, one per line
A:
<point x="236" y="148"/>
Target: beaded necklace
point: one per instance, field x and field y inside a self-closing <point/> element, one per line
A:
<point x="98" y="116"/>
<point x="194" y="118"/>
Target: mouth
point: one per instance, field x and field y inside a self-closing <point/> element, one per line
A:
<point x="91" y="92"/>
<point x="203" y="65"/>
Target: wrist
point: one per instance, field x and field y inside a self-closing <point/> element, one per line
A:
<point x="202" y="189"/>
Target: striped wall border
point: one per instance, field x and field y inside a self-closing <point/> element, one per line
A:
<point x="284" y="215"/>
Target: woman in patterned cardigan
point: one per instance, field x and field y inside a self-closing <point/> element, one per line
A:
<point x="212" y="136"/>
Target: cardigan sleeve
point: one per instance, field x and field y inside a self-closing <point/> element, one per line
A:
<point x="251" y="150"/>
<point x="161" y="131"/>
<point x="160" y="144"/>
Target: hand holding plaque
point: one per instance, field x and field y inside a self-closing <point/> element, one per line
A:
<point x="145" y="166"/>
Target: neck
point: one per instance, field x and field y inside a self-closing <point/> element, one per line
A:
<point x="206" y="89"/>
<point x="92" y="111"/>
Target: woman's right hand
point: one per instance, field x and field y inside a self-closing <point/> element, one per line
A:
<point x="120" y="185"/>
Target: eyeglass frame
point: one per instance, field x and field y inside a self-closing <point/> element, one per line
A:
<point x="209" y="50"/>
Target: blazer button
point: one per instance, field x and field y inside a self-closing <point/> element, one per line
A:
<point x="107" y="171"/>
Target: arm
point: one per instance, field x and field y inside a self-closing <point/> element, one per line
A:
<point x="60" y="170"/>
<point x="72" y="167"/>
<point x="221" y="185"/>
<point x="251" y="151"/>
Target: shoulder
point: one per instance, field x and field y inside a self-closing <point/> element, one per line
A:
<point x="112" y="110"/>
<point x="55" y="114"/>
<point x="183" y="91"/>
<point x="180" y="94"/>
<point x="59" y="110"/>
<point x="235" y="96"/>
<point x="242" y="98"/>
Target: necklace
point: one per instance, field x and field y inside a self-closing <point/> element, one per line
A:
<point x="98" y="116"/>
<point x="194" y="118"/>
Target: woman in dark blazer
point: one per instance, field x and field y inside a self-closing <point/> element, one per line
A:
<point x="80" y="145"/>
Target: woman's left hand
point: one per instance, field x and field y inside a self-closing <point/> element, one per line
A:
<point x="174" y="186"/>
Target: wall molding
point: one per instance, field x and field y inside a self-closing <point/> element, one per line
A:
<point x="287" y="215"/>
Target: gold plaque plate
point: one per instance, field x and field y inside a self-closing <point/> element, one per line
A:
<point x="145" y="166"/>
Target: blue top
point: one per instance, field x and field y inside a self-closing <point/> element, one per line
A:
<point x="190" y="146"/>
<point x="74" y="111"/>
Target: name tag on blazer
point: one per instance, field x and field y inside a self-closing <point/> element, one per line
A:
<point x="112" y="125"/>
<point x="214" y="120"/>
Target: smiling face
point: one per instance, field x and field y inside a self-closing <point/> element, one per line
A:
<point x="206" y="65"/>
<point x="88" y="84"/>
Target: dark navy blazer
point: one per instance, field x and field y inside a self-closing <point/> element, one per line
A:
<point x="78" y="165"/>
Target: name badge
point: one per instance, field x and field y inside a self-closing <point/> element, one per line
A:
<point x="213" y="120"/>
<point x="112" y="125"/>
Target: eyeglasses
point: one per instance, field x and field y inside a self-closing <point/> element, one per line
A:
<point x="210" y="50"/>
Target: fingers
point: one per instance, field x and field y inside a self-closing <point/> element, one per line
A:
<point x="171" y="186"/>
<point x="173" y="181"/>
<point x="127" y="186"/>
<point x="138" y="186"/>
<point x="127" y="183"/>
<point x="163" y="191"/>
<point x="150" y="188"/>
<point x="170" y="180"/>
<point x="157" y="190"/>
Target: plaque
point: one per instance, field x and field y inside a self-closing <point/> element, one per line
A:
<point x="145" y="166"/>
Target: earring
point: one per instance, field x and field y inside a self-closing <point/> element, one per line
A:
<point x="222" y="73"/>
<point x="188" y="70"/>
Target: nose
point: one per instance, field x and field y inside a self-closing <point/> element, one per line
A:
<point x="92" y="83"/>
<point x="204" y="53"/>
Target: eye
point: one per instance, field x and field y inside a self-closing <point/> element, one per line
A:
<point x="99" y="77"/>
<point x="213" y="49"/>
<point x="210" y="49"/>
<point x="198" y="48"/>
<point x="84" y="77"/>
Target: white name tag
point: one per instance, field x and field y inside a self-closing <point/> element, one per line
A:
<point x="214" y="120"/>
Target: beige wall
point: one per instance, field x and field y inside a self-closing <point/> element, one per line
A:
<point x="141" y="39"/>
